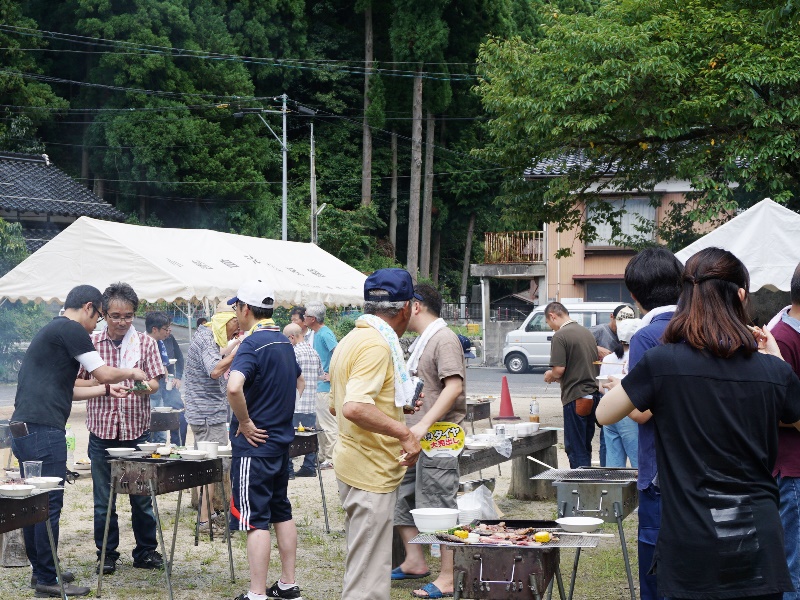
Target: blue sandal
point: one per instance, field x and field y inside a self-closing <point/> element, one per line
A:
<point x="398" y="573"/>
<point x="431" y="591"/>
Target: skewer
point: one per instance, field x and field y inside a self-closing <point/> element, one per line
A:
<point x="536" y="460"/>
<point x="605" y="535"/>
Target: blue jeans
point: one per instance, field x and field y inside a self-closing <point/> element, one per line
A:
<point x="789" y="488"/>
<point x="578" y="434"/>
<point x="603" y="451"/>
<point x="165" y="397"/>
<point x="47" y="444"/>
<point x="142" y="518"/>
<point x="622" y="443"/>
<point x="310" y="460"/>
<point x="649" y="525"/>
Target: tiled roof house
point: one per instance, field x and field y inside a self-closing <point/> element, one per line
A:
<point x="44" y="199"/>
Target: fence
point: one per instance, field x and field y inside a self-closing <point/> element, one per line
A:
<point x="453" y="312"/>
<point x="513" y="247"/>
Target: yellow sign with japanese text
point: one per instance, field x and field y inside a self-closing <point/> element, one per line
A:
<point x="442" y="439"/>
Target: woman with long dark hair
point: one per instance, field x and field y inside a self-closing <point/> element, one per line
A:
<point x="718" y="391"/>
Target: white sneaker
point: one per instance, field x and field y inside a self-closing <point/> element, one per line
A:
<point x="325" y="464"/>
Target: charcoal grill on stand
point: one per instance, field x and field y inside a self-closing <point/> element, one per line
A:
<point x="16" y="513"/>
<point x="137" y="475"/>
<point x="605" y="493"/>
<point x="494" y="572"/>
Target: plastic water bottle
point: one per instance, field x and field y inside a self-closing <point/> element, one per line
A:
<point x="70" y="437"/>
<point x="533" y="415"/>
<point x="436" y="550"/>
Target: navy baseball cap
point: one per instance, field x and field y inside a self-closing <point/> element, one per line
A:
<point x="389" y="285"/>
<point x="466" y="345"/>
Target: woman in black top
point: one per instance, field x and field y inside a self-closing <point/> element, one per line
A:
<point x="717" y="391"/>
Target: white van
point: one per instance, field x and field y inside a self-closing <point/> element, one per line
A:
<point x="529" y="346"/>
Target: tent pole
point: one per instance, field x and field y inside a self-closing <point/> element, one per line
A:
<point x="189" y="317"/>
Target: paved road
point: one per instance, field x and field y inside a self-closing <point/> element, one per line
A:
<point x="480" y="380"/>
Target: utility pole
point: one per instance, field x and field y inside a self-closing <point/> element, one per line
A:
<point x="313" y="190"/>
<point x="284" y="148"/>
<point x="284" y="221"/>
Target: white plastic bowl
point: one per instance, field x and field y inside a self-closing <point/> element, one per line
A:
<point x="579" y="524"/>
<point x="43" y="483"/>
<point x="17" y="490"/>
<point x="193" y="454"/>
<point x="224" y="451"/>
<point x="148" y="447"/>
<point x="120" y="452"/>
<point x="429" y="520"/>
<point x="162" y="409"/>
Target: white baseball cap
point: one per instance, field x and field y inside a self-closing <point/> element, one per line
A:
<point x="255" y="293"/>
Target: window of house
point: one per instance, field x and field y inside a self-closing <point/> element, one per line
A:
<point x="608" y="291"/>
<point x="637" y="212"/>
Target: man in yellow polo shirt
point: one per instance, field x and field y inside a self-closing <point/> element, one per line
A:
<point x="369" y="386"/>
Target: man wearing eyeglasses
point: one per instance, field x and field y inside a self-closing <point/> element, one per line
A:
<point x="42" y="407"/>
<point x="122" y="422"/>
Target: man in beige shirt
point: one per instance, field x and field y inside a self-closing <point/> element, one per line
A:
<point x="437" y="357"/>
<point x="375" y="446"/>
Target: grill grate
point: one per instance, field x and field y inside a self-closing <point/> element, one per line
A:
<point x="589" y="474"/>
<point x="565" y="541"/>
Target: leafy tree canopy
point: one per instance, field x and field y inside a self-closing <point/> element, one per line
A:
<point x="648" y="90"/>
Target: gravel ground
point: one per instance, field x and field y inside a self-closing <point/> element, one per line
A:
<point x="201" y="573"/>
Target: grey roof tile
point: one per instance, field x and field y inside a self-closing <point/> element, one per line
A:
<point x="30" y="183"/>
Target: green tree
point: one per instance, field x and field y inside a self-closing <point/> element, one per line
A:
<point x="647" y="90"/>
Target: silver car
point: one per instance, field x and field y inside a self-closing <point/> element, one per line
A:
<point x="529" y="346"/>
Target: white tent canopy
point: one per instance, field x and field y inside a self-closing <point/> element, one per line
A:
<point x="765" y="237"/>
<point x="187" y="264"/>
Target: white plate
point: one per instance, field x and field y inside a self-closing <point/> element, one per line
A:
<point x="162" y="409"/>
<point x="16" y="490"/>
<point x="43" y="483"/>
<point x="193" y="454"/>
<point x="120" y="452"/>
<point x="579" y="524"/>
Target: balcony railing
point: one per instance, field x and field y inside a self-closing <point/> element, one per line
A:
<point x="513" y="247"/>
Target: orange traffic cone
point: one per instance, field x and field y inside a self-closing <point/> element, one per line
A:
<point x="506" y="410"/>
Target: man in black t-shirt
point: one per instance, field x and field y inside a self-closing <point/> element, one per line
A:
<point x="45" y="390"/>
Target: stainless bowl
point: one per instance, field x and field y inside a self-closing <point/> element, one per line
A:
<point x="473" y="484"/>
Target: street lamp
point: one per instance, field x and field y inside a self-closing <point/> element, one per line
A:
<point x="284" y="148"/>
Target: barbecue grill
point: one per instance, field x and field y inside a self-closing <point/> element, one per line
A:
<point x="493" y="572"/>
<point x="22" y="512"/>
<point x="606" y="493"/>
<point x="137" y="475"/>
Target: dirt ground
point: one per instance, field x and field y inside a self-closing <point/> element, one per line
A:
<point x="201" y="573"/>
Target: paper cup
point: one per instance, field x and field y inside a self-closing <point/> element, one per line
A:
<point x="211" y="448"/>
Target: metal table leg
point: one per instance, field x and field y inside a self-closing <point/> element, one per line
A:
<point x="574" y="572"/>
<point x="550" y="588"/>
<point x="226" y="503"/>
<point x="322" y="492"/>
<point x="111" y="497"/>
<point x="54" y="550"/>
<point x="208" y="512"/>
<point x="167" y="567"/>
<point x="175" y="529"/>
<point x="560" y="583"/>
<point x="197" y="520"/>
<point x="618" y="515"/>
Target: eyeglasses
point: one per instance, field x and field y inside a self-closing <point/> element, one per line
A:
<point x="120" y="318"/>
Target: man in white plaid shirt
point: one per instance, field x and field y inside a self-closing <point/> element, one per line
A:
<point x="305" y="411"/>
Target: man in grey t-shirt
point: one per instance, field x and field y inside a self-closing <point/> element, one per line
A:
<point x="572" y="354"/>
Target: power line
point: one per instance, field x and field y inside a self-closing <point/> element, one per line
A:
<point x="301" y="64"/>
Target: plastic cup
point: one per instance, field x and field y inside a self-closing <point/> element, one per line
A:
<point x="170" y="381"/>
<point x="211" y="448"/>
<point x="32" y="468"/>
